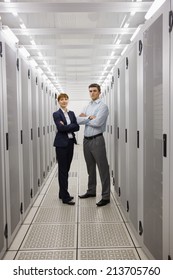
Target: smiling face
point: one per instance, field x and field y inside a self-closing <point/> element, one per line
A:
<point x="63" y="102"/>
<point x="94" y="93"/>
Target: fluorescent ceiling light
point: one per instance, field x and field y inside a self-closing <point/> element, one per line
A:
<point x="33" y="42"/>
<point x="40" y="70"/>
<point x="15" y="14"/>
<point x="108" y="62"/>
<point x="33" y="63"/>
<point x="9" y="34"/>
<point x="23" y="26"/>
<point x="118" y="42"/>
<point x="40" y="54"/>
<point x="136" y="32"/>
<point x="44" y="76"/>
<point x="45" y="63"/>
<point x="126" y="25"/>
<point x="112" y="53"/>
<point x="24" y="52"/>
<point x="124" y="50"/>
<point x="133" y="13"/>
<point x="117" y="61"/>
<point x="154" y="7"/>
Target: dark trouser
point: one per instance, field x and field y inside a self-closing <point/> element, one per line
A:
<point x="95" y="154"/>
<point x="64" y="157"/>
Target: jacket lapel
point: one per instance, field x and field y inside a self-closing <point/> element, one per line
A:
<point x="63" y="117"/>
<point x="70" y="116"/>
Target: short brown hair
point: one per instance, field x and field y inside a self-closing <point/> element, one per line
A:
<point x="62" y="95"/>
<point x="95" y="85"/>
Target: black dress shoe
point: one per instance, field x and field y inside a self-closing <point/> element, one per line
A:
<point x="103" y="202"/>
<point x="86" y="195"/>
<point x="69" y="202"/>
<point x="70" y="198"/>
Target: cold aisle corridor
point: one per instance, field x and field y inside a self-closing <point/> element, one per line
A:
<point x="53" y="230"/>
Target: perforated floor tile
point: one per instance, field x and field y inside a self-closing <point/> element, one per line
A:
<point x="50" y="237"/>
<point x="103" y="235"/>
<point x="99" y="214"/>
<point x="72" y="188"/>
<point x="91" y="201"/>
<point x="51" y="201"/>
<point x="113" y="254"/>
<point x="63" y="214"/>
<point x="83" y="186"/>
<point x="47" y="255"/>
<point x="10" y="255"/>
<point x="72" y="182"/>
<point x="88" y="202"/>
<point x="54" y="182"/>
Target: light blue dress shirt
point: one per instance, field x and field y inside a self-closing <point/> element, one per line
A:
<point x="98" y="125"/>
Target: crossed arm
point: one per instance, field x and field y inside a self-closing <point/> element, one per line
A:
<point x="94" y="121"/>
<point x="90" y="117"/>
<point x="72" y="127"/>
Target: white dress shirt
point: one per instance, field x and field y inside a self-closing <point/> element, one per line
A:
<point x="68" y="122"/>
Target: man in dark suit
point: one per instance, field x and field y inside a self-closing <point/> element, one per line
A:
<point x="64" y="143"/>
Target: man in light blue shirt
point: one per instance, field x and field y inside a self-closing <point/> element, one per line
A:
<point x="94" y="117"/>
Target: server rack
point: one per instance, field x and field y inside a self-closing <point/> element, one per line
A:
<point x="47" y="130"/>
<point x="170" y="219"/>
<point x="45" y="124"/>
<point x="12" y="136"/>
<point x="2" y="171"/>
<point x="122" y="134"/>
<point x="156" y="130"/>
<point x="112" y="129"/>
<point x="131" y="134"/>
<point x="25" y="97"/>
<point x="53" y="109"/>
<point x="108" y="102"/>
<point x="145" y="127"/>
<point x="35" y="135"/>
<point x="40" y="129"/>
<point x="50" y="126"/>
<point x="104" y="97"/>
<point x="116" y="129"/>
<point x="22" y="152"/>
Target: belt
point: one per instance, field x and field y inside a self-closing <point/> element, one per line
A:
<point x="92" y="137"/>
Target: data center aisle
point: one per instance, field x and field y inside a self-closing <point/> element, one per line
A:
<point x="53" y="230"/>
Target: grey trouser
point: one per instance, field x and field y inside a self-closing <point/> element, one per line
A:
<point x="95" y="153"/>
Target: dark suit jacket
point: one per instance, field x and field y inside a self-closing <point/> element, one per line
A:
<point x="61" y="138"/>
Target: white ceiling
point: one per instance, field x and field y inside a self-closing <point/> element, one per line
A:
<point x="79" y="40"/>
